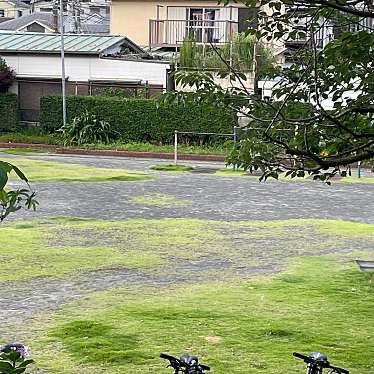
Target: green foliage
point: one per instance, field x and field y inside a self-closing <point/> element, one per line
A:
<point x="7" y="76"/>
<point x="12" y="361"/>
<point x="238" y="54"/>
<point x="14" y="200"/>
<point x="139" y="120"/>
<point x="30" y="136"/>
<point x="9" y="109"/>
<point x="334" y="130"/>
<point x="137" y="93"/>
<point x="190" y="53"/>
<point x="87" y="129"/>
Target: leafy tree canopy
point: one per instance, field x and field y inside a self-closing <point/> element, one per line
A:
<point x="7" y="76"/>
<point x="320" y="118"/>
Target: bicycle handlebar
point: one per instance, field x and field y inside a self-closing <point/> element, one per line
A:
<point x="323" y="364"/>
<point x="176" y="362"/>
<point x="167" y="357"/>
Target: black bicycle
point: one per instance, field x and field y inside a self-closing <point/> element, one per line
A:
<point x="317" y="362"/>
<point x="186" y="364"/>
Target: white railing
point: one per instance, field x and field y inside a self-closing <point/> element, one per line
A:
<point x="174" y="32"/>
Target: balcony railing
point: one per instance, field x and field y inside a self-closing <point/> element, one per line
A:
<point x="172" y="33"/>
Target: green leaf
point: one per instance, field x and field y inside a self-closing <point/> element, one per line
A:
<point x="3" y="178"/>
<point x="5" y="366"/>
<point x="19" y="173"/>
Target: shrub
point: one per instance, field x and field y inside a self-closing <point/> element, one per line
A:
<point x="9" y="112"/>
<point x="139" y="120"/>
<point x="12" y="359"/>
<point x="87" y="129"/>
<point x="6" y="76"/>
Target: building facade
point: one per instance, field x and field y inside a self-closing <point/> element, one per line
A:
<point x="168" y="23"/>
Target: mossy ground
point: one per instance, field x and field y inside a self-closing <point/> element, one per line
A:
<point x="160" y="200"/>
<point x="242" y="295"/>
<point x="171" y="167"/>
<point x="23" y="151"/>
<point x="48" y="171"/>
<point x="252" y="326"/>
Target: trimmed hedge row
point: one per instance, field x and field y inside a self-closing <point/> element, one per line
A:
<point x="9" y="109"/>
<point x="138" y="120"/>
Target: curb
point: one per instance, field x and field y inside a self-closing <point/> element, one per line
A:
<point x="113" y="153"/>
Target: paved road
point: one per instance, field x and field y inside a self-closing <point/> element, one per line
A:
<point x="213" y="197"/>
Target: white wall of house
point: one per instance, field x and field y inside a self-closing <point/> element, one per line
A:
<point x="85" y="68"/>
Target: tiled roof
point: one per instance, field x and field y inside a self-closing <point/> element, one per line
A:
<point x="98" y="25"/>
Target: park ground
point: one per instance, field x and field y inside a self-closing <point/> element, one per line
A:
<point x="122" y="262"/>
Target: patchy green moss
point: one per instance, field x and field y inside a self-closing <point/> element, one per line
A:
<point x="160" y="200"/>
<point x="23" y="151"/>
<point x="252" y="326"/>
<point x="171" y="167"/>
<point x="47" y="171"/>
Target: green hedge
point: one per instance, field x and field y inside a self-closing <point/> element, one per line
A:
<point x="9" y="109"/>
<point x="138" y="120"/>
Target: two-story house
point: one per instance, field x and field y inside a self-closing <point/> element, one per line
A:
<point x="168" y="23"/>
<point x="14" y="8"/>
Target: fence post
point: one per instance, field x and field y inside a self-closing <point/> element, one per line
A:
<point x="175" y="147"/>
<point x="146" y="90"/>
<point x="235" y="135"/>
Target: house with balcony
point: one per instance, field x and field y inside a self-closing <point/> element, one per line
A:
<point x="166" y="24"/>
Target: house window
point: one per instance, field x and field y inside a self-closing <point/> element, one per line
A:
<point x="46" y="10"/>
<point x="2" y="13"/>
<point x="19" y="13"/>
<point x="202" y="24"/>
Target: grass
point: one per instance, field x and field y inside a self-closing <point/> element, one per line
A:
<point x="23" y="151"/>
<point x="166" y="148"/>
<point x="36" y="137"/>
<point x="160" y="200"/>
<point x="31" y="136"/>
<point x="250" y="326"/>
<point x="48" y="171"/>
<point x="27" y="252"/>
<point x="171" y="167"/>
<point x="61" y="246"/>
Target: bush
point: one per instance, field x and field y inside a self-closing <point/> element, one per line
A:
<point x="9" y="112"/>
<point x="7" y="76"/>
<point x="138" y="120"/>
<point x="87" y="129"/>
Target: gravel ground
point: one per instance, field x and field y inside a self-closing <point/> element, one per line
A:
<point x="213" y="197"/>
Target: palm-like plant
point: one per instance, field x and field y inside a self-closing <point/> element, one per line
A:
<point x="88" y="129"/>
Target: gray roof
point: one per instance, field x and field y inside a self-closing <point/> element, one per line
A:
<point x="17" y="23"/>
<point x="74" y="44"/>
<point x="19" y="3"/>
<point x="101" y="26"/>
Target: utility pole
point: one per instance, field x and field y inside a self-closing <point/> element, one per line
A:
<point x="63" y="78"/>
